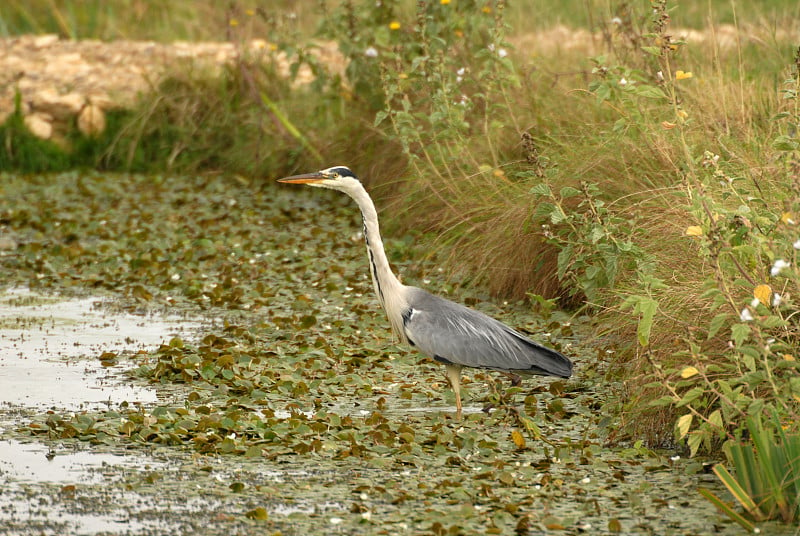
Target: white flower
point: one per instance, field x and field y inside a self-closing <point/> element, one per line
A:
<point x="502" y="53"/>
<point x="371" y="52"/>
<point x="660" y="76"/>
<point x="796" y="245"/>
<point x="776" y="299"/>
<point x="755" y="302"/>
<point x="777" y="266"/>
<point x="745" y="315"/>
<point x="623" y="82"/>
<point x="616" y="20"/>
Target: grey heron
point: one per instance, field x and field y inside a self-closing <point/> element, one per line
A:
<point x="448" y="332"/>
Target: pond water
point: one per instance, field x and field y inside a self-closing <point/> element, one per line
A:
<point x="49" y="348"/>
<point x="45" y="340"/>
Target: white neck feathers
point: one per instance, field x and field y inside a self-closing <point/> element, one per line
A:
<point x="390" y="292"/>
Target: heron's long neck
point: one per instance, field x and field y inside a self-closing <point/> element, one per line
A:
<point x="387" y="286"/>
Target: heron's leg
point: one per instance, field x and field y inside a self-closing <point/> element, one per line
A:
<point x="516" y="380"/>
<point x="453" y="373"/>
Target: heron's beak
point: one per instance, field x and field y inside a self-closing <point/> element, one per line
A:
<point x="308" y="178"/>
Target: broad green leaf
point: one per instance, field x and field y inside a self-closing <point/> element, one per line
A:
<point x="684" y="424"/>
<point x="739" y="332"/>
<point x="785" y="143"/>
<point x="692" y="395"/>
<point x="647" y="308"/>
<point x="568" y="191"/>
<point x="717" y="323"/>
<point x="542" y="189"/>
<point x="695" y="441"/>
<point x="650" y="92"/>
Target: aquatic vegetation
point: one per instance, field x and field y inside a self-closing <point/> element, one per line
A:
<point x="294" y="372"/>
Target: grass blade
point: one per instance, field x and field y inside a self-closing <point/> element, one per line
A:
<point x="727" y="510"/>
<point x="738" y="492"/>
<point x="289" y="126"/>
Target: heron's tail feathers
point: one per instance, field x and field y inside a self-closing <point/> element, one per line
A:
<point x="546" y="361"/>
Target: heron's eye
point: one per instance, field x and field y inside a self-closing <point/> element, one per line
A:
<point x="335" y="175"/>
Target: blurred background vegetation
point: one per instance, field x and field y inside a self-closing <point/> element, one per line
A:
<point x="165" y="20"/>
<point x="577" y="154"/>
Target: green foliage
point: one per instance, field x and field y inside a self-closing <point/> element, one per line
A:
<point x="435" y="78"/>
<point x="595" y="243"/>
<point x="739" y="357"/>
<point x="767" y="473"/>
<point x="748" y="236"/>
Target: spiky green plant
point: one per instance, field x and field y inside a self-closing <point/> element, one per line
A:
<point x="766" y="478"/>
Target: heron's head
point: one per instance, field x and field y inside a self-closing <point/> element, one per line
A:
<point x="336" y="178"/>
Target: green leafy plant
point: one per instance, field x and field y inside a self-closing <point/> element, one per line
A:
<point x="766" y="482"/>
<point x="736" y="356"/>
<point x="595" y="243"/>
<point x="748" y="235"/>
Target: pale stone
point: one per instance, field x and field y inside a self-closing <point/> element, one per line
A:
<point x="103" y="101"/>
<point x="42" y="41"/>
<point x="39" y="126"/>
<point x="60" y="77"/>
<point x="92" y="120"/>
<point x="59" y="106"/>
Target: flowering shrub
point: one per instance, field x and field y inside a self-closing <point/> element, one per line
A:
<point x="740" y="243"/>
<point x="433" y="77"/>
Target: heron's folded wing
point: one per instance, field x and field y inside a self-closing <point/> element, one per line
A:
<point x="451" y="332"/>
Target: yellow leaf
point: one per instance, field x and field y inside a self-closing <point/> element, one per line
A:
<point x="680" y="75"/>
<point x="666" y="125"/>
<point x="684" y="423"/>
<point x="788" y="217"/>
<point x="394" y="25"/>
<point x="788" y="357"/>
<point x="519" y="441"/>
<point x="763" y="293"/>
<point x="694" y="230"/>
<point x="688" y="372"/>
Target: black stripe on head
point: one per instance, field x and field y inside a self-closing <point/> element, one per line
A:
<point x="342" y="171"/>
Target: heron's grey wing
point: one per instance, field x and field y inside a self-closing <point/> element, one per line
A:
<point x="452" y="333"/>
